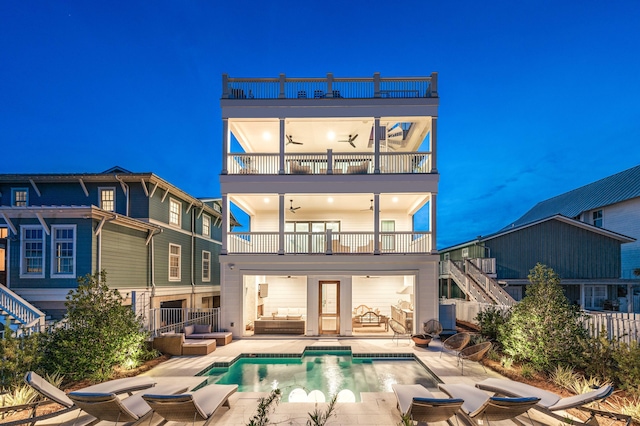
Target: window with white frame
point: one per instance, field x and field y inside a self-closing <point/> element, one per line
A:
<point x="19" y="197"/>
<point x="174" y="262"/>
<point x="206" y="225"/>
<point x="594" y="296"/>
<point x="108" y="199"/>
<point x="32" y="249"/>
<point x="206" y="266"/>
<point x="63" y="251"/>
<point x="597" y="218"/>
<point x="175" y="212"/>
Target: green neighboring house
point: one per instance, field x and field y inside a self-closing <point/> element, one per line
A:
<point x="158" y="244"/>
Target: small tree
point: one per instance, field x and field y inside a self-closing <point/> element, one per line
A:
<point x="544" y="328"/>
<point x="100" y="333"/>
<point x="490" y="319"/>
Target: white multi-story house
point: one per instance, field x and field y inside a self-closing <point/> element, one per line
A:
<point x="338" y="177"/>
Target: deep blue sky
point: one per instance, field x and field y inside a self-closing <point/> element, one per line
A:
<point x="537" y="97"/>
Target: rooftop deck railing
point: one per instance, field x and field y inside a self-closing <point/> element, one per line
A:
<point x="330" y="87"/>
<point x="329" y="163"/>
<point x="329" y="242"/>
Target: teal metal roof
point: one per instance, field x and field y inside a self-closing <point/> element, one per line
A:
<point x="610" y="190"/>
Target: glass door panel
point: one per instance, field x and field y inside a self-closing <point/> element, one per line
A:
<point x="318" y="237"/>
<point x="329" y="320"/>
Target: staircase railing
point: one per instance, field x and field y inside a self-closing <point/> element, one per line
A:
<point x="469" y="287"/>
<point x="21" y="312"/>
<point x="489" y="285"/>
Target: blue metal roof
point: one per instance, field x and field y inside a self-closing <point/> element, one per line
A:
<point x="610" y="190"/>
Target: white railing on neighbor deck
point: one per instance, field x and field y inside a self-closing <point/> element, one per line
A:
<point x="163" y="320"/>
<point x="317" y="242"/>
<point x="468" y="310"/>
<point x="330" y="87"/>
<point x="621" y="326"/>
<point x="26" y="316"/>
<point x="328" y="163"/>
<point x="489" y="285"/>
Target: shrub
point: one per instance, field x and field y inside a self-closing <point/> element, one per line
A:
<point x="320" y="418"/>
<point x="527" y="371"/>
<point x="544" y="328"/>
<point x="627" y="358"/>
<point x="490" y="320"/>
<point x="18" y="355"/>
<point x="563" y="376"/>
<point x="598" y="357"/>
<point x="100" y="333"/>
<point x="264" y="408"/>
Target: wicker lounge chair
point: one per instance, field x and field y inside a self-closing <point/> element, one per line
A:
<point x="421" y="406"/>
<point x="478" y="406"/>
<point x="433" y="327"/>
<point x="108" y="407"/>
<point x="474" y="353"/>
<point x="200" y="405"/>
<point x="456" y="343"/>
<point x="550" y="403"/>
<point x="398" y="330"/>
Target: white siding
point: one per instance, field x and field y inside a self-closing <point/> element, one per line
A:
<point x="624" y="218"/>
<point x="360" y="222"/>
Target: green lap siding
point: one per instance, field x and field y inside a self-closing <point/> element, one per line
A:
<point x="125" y="256"/>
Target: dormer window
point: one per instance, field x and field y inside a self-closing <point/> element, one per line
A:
<point x="206" y="225"/>
<point x="108" y="199"/>
<point x="20" y="197"/>
<point x="597" y="218"/>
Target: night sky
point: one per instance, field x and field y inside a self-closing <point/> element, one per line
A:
<point x="537" y="97"/>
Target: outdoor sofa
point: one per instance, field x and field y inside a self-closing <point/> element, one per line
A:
<point x="203" y="331"/>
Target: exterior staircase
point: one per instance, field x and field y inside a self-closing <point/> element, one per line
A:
<point x="19" y="315"/>
<point x="476" y="284"/>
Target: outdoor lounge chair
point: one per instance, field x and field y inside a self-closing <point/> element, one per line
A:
<point x="432" y="327"/>
<point x="478" y="406"/>
<point x="422" y="406"/>
<point x="455" y="343"/>
<point x="474" y="353"/>
<point x="550" y="403"/>
<point x="398" y="330"/>
<point x="109" y="407"/>
<point x="200" y="405"/>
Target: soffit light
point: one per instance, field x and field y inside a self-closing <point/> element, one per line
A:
<point x="266" y="136"/>
<point x="331" y="136"/>
<point x="330" y="199"/>
<point x="266" y="200"/>
<point x="394" y="199"/>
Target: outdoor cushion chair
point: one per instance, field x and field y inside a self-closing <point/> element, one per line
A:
<point x="478" y="406"/>
<point x="422" y="406"/>
<point x="398" y="330"/>
<point x="105" y="406"/>
<point x="550" y="403"/>
<point x="432" y="327"/>
<point x="197" y="406"/>
<point x="456" y="343"/>
<point x="474" y="353"/>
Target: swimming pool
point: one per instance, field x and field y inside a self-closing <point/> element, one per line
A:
<point x="318" y="375"/>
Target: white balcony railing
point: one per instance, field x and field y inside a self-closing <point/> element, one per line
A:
<point x="340" y="243"/>
<point x="328" y="163"/>
<point x="330" y="87"/>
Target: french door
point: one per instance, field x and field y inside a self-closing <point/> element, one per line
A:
<point x="329" y="320"/>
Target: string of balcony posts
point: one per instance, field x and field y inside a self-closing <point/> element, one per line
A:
<point x="330" y="87"/>
<point x="328" y="163"/>
<point x="325" y="243"/>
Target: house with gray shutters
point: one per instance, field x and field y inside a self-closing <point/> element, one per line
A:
<point x="158" y="244"/>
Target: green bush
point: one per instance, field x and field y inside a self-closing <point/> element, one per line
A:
<point x="18" y="355"/>
<point x="627" y="358"/>
<point x="490" y="320"/>
<point x="598" y="357"/>
<point x="100" y="333"/>
<point x="544" y="329"/>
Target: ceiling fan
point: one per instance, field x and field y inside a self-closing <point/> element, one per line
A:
<point x="290" y="139"/>
<point x="350" y="140"/>
<point x="369" y="209"/>
<point x="370" y="277"/>
<point x="293" y="209"/>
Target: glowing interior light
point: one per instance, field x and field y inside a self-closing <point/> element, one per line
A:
<point x="266" y="136"/>
<point x="346" y="395"/>
<point x="316" y="396"/>
<point x="331" y="136"/>
<point x="266" y="200"/>
<point x="330" y="199"/>
<point x="394" y="199"/>
<point x="298" y="395"/>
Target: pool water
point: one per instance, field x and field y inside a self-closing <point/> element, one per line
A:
<point x="318" y="376"/>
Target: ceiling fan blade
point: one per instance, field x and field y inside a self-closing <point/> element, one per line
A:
<point x="354" y="138"/>
<point x="352" y="144"/>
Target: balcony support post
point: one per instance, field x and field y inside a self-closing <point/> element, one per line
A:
<point x="225" y="223"/>
<point x="376" y="84"/>
<point x="376" y="223"/>
<point x="329" y="161"/>
<point x="434" y="144"/>
<point x="432" y="226"/>
<point x="225" y="86"/>
<point x="225" y="145"/>
<point x="281" y="166"/>
<point x="329" y="85"/>
<point x="376" y="144"/>
<point x="283" y="79"/>
<point x="281" y="224"/>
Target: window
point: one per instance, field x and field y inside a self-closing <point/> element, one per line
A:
<point x="32" y="261"/>
<point x="206" y="225"/>
<point x="20" y="197"/>
<point x="597" y="218"/>
<point x="387" y="228"/>
<point x="206" y="266"/>
<point x="465" y="252"/>
<point x="174" y="262"/>
<point x="63" y="251"/>
<point x="175" y="212"/>
<point x="108" y="199"/>
<point x="594" y="296"/>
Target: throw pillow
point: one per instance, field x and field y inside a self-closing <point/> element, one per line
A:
<point x="189" y="329"/>
<point x="202" y="328"/>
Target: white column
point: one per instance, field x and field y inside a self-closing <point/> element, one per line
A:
<point x="225" y="144"/>
<point x="376" y="223"/>
<point x="281" y="223"/>
<point x="225" y="223"/>
<point x="282" y="135"/>
<point x="434" y="250"/>
<point x="434" y="144"/>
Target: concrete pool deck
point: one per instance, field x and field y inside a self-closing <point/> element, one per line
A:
<point x="376" y="408"/>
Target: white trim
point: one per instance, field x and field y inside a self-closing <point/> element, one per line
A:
<point x="182" y="231"/>
<point x="9" y="223"/>
<point x="84" y="187"/>
<point x="179" y="255"/>
<point x="208" y="234"/>
<point x="23" y="274"/>
<point x="144" y="187"/>
<point x="35" y="187"/>
<point x="179" y="203"/>
<point x="206" y="279"/>
<point x="107" y="188"/>
<point x="43" y="223"/>
<point x="54" y="274"/>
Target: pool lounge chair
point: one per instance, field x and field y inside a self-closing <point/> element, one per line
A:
<point x="200" y="405"/>
<point x="422" y="406"/>
<point x="550" y="403"/>
<point x="478" y="406"/>
<point x="109" y="407"/>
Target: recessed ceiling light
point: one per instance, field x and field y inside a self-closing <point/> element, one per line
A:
<point x="330" y="135"/>
<point x="266" y="136"/>
<point x="330" y="199"/>
<point x="266" y="200"/>
<point x="394" y="199"/>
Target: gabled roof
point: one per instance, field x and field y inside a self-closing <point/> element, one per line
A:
<point x="605" y="192"/>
